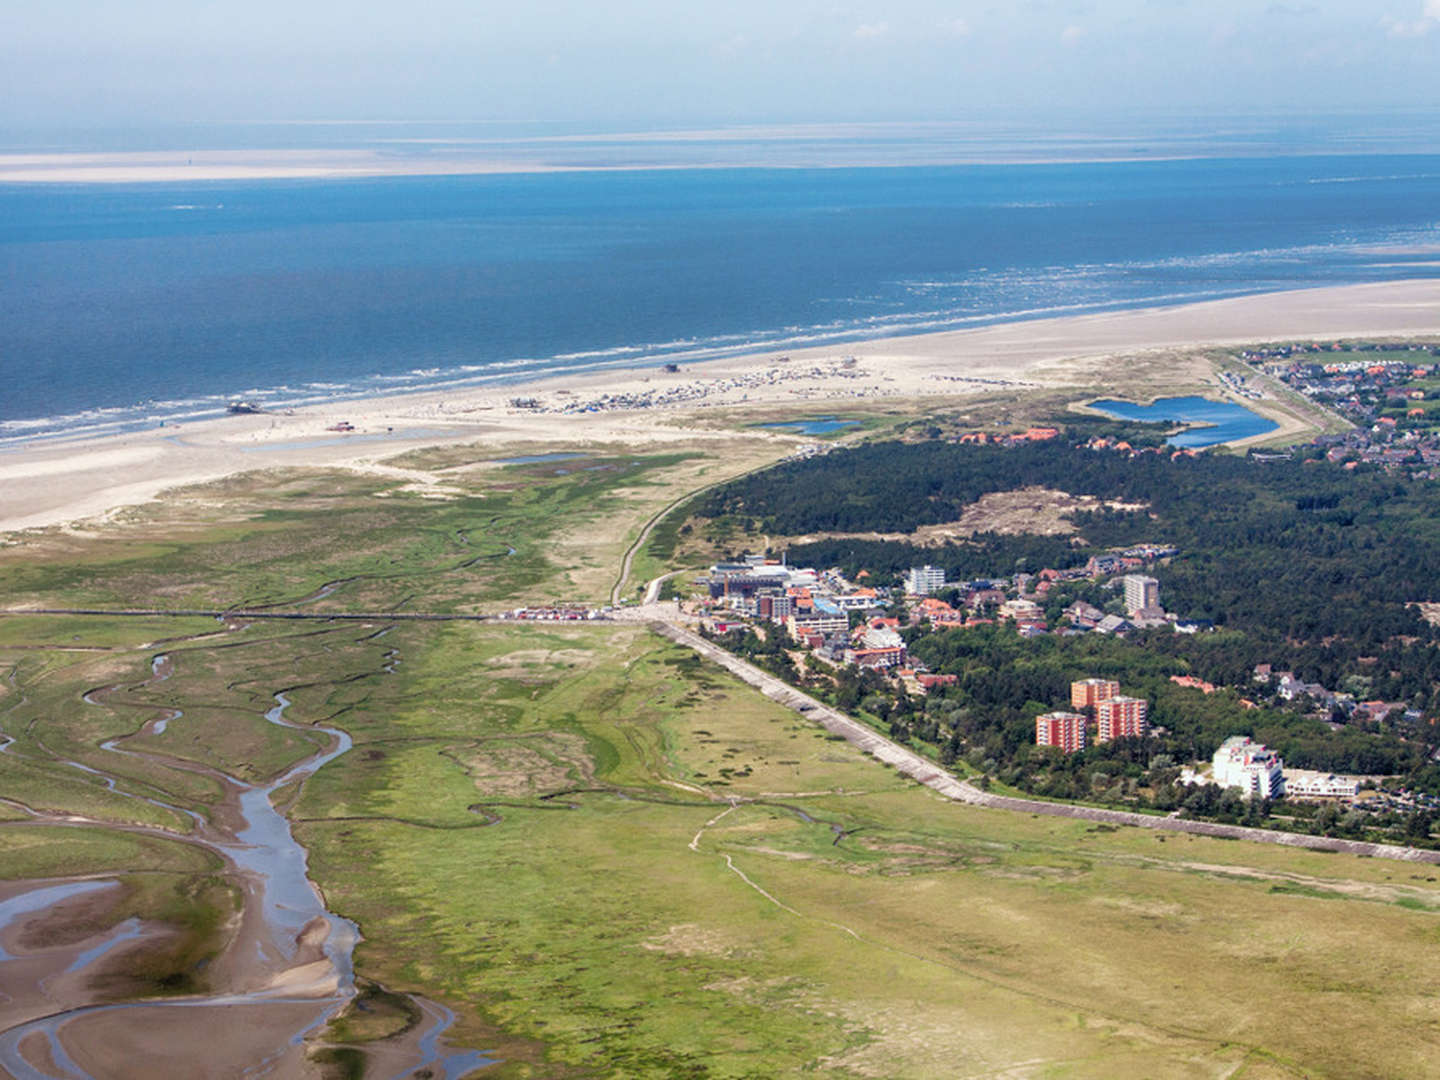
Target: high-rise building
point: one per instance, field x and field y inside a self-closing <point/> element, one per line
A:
<point x="923" y="580"/>
<point x="1122" y="716"/>
<point x="1063" y="729"/>
<point x="1255" y="769"/>
<point x="1141" y="593"/>
<point x="1087" y="693"/>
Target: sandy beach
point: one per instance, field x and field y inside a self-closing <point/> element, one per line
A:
<point x="807" y="146"/>
<point x="49" y="483"/>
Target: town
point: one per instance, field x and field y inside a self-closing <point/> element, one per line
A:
<point x="1393" y="401"/>
<point x="836" y="623"/>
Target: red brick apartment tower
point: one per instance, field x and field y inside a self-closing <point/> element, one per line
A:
<point x="1087" y="693"/>
<point x="1122" y="716"/>
<point x="1063" y="729"/>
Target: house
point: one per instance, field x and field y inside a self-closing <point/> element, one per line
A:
<point x="1083" y="615"/>
<point x="1193" y="683"/>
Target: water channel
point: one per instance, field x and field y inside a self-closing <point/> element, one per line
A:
<point x="302" y="957"/>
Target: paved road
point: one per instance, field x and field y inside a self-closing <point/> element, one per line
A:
<point x="932" y="776"/>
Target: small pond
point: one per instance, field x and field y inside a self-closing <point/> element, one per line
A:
<point x="1223" y="421"/>
<point x="820" y="425"/>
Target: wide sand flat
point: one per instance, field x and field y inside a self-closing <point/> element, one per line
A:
<point x="46" y="484"/>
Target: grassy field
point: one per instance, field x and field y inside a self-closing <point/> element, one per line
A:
<point x="613" y="860"/>
<point x="570" y="828"/>
<point x="443" y="530"/>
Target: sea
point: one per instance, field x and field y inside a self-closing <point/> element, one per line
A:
<point x="124" y="306"/>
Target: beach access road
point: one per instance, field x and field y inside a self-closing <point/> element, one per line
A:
<point x="926" y="772"/>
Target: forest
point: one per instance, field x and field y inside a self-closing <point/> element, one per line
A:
<point x="1290" y="552"/>
<point x="1296" y="563"/>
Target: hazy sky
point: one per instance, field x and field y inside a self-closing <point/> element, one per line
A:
<point x="103" y="62"/>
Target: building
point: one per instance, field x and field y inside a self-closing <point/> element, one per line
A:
<point x="923" y="580"/>
<point x="881" y="637"/>
<point x="1087" y="693"/>
<point x="1141" y="593"/>
<point x="816" y="622"/>
<point x="775" y="608"/>
<point x="875" y="658"/>
<point x="1255" y="769"/>
<point x="857" y="600"/>
<point x="1063" y="729"/>
<point x="1122" y="717"/>
<point x="1022" y="611"/>
<point x="1307" y="784"/>
<point x="1083" y="615"/>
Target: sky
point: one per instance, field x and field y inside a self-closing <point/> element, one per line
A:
<point x="623" y="63"/>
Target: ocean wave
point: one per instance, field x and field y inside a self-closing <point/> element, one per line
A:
<point x="1043" y="292"/>
<point x="1389" y="177"/>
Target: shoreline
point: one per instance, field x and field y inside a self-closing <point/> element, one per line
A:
<point x="50" y="482"/>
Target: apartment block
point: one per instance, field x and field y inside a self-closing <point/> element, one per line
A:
<point x="1120" y="717"/>
<point x="1088" y="693"/>
<point x="1063" y="729"/>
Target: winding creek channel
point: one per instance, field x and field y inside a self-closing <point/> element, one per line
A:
<point x="286" y="970"/>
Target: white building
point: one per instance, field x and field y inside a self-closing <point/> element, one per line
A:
<point x="1307" y="784"/>
<point x="924" y="580"/>
<point x="882" y="637"/>
<point x="1141" y="593"/>
<point x="820" y="623"/>
<point x="1255" y="769"/>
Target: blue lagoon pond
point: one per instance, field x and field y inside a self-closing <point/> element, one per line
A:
<point x="1224" y="421"/>
<point x="820" y="425"/>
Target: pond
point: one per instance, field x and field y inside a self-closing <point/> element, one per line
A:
<point x="819" y="425"/>
<point x="1222" y="421"/>
<point x="535" y="459"/>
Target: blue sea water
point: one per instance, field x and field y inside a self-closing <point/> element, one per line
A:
<point x="122" y="305"/>
<point x="1223" y="421"/>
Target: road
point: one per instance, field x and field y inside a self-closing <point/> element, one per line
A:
<point x="634" y="548"/>
<point x="926" y="772"/>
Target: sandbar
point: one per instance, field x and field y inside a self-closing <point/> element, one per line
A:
<point x="48" y="483"/>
